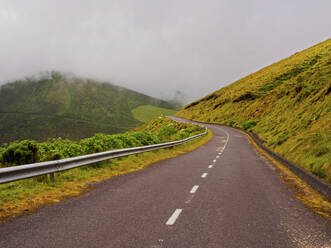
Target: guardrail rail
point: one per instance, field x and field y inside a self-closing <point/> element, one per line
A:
<point x="19" y="172"/>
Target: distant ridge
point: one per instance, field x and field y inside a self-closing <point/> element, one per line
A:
<point x="287" y="103"/>
<point x="59" y="105"/>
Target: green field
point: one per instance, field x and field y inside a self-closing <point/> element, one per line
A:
<point x="146" y="113"/>
<point x="288" y="104"/>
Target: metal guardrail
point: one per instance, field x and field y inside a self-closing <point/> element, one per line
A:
<point x="19" y="172"/>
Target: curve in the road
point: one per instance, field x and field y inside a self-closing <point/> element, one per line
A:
<point x="220" y="195"/>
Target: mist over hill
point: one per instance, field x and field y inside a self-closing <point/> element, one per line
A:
<point x="287" y="103"/>
<point x="54" y="104"/>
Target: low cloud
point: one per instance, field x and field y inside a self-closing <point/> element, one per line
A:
<point x="153" y="46"/>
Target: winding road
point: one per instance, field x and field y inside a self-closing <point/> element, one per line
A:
<point x="223" y="194"/>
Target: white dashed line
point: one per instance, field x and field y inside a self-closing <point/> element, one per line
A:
<point x="214" y="160"/>
<point x="217" y="156"/>
<point x="210" y="166"/>
<point x="204" y="175"/>
<point x="189" y="199"/>
<point x="219" y="153"/>
<point x="194" y="189"/>
<point x="174" y="217"/>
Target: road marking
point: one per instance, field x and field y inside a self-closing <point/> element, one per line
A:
<point x="189" y="199"/>
<point x="194" y="189"/>
<point x="204" y="175"/>
<point x="210" y="166"/>
<point x="214" y="160"/>
<point x="174" y="217"/>
<point x="217" y="156"/>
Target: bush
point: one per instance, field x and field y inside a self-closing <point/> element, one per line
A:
<point x="248" y="124"/>
<point x="184" y="133"/>
<point x="166" y="132"/>
<point x="232" y="123"/>
<point x="54" y="155"/>
<point x="17" y="153"/>
<point x="160" y="130"/>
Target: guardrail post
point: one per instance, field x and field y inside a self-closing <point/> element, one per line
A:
<point x="51" y="177"/>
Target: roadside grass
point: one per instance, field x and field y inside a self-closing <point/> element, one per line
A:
<point x="146" y="113"/>
<point x="25" y="196"/>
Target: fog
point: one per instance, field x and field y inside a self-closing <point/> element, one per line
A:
<point x="156" y="46"/>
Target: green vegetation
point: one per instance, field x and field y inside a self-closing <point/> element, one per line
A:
<point x="56" y="105"/>
<point x="146" y="113"/>
<point x="25" y="152"/>
<point x="156" y="131"/>
<point x="247" y="124"/>
<point x="24" y="196"/>
<point x="287" y="104"/>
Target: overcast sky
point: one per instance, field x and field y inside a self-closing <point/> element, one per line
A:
<point x="157" y="46"/>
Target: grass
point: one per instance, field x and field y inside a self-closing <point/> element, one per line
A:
<point x="25" y="196"/>
<point x="146" y="113"/>
<point x="57" y="105"/>
<point x="287" y="104"/>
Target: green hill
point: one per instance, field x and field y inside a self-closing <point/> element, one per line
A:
<point x="56" y="105"/>
<point x="287" y="104"/>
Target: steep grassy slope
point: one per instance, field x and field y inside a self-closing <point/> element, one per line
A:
<point x="288" y="104"/>
<point x="61" y="106"/>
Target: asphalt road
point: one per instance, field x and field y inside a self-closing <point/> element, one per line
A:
<point x="220" y="195"/>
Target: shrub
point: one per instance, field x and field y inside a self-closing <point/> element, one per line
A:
<point x="26" y="152"/>
<point x="17" y="153"/>
<point x="54" y="155"/>
<point x="248" y="124"/>
<point x="145" y="138"/>
<point x="165" y="132"/>
<point x="184" y="133"/>
<point x="232" y="123"/>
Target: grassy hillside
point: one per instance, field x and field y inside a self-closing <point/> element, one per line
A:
<point x="287" y="103"/>
<point x="146" y="113"/>
<point x="60" y="106"/>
